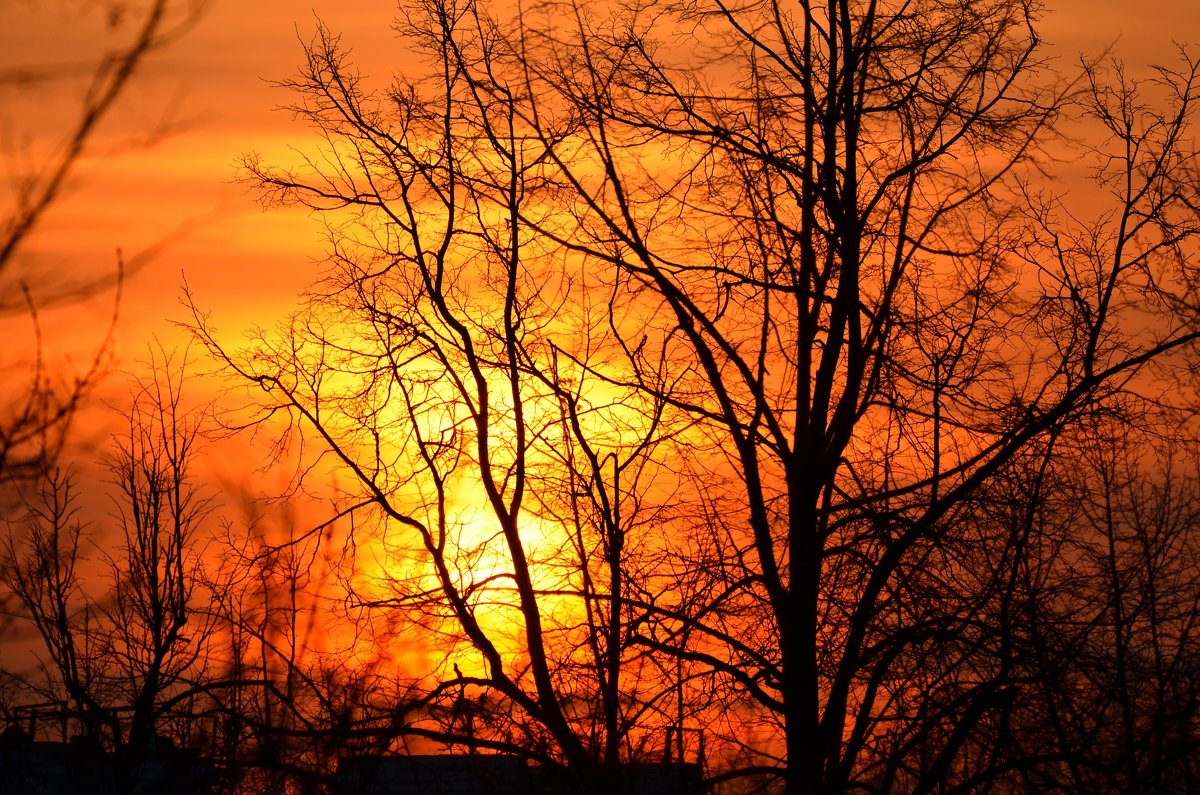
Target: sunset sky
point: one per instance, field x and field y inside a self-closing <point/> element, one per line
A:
<point x="832" y="466"/>
<point x="210" y="92"/>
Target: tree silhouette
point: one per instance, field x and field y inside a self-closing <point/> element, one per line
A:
<point x="804" y="269"/>
<point x="444" y="386"/>
<point x="34" y="418"/>
<point x="123" y="657"/>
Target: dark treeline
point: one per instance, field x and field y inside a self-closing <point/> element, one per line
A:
<point x="729" y="383"/>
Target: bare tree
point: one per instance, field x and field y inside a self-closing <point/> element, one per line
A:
<point x="160" y="509"/>
<point x="34" y="418"/>
<point x="810" y="259"/>
<point x="41" y="571"/>
<point x="124" y="656"/>
<point x="881" y="315"/>
<point x="1105" y="622"/>
<point x="448" y="385"/>
<point x="289" y="679"/>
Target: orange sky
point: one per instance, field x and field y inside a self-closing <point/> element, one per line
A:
<point x="245" y="264"/>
